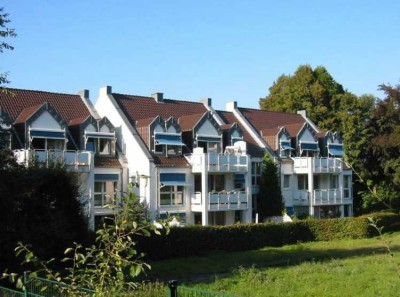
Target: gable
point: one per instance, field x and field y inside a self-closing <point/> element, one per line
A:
<point x="207" y="128"/>
<point x="45" y="121"/>
<point x="90" y="128"/>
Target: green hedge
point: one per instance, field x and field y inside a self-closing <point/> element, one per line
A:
<point x="199" y="240"/>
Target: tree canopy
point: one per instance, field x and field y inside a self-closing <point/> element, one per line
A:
<point x="5" y="32"/>
<point x="369" y="128"/>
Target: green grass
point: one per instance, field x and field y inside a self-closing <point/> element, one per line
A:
<point x="336" y="268"/>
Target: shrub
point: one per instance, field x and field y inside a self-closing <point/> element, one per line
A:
<point x="199" y="240"/>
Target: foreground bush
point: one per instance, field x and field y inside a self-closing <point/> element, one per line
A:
<point x="199" y="240"/>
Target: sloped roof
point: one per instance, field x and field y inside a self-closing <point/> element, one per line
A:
<point x="171" y="161"/>
<point x="188" y="122"/>
<point x="140" y="107"/>
<point x="294" y="129"/>
<point x="26" y="113"/>
<point x="252" y="146"/>
<point x="265" y="119"/>
<point x="144" y="122"/>
<point x="68" y="106"/>
<point x="107" y="161"/>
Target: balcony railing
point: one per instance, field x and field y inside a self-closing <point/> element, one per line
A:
<point x="219" y="162"/>
<point x="318" y="165"/>
<point x="320" y="197"/>
<point x="73" y="160"/>
<point x="231" y="200"/>
<point x="328" y="196"/>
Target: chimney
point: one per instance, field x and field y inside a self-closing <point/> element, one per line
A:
<point x="159" y="97"/>
<point x="107" y="90"/>
<point x="206" y="101"/>
<point x="303" y="113"/>
<point x="231" y="106"/>
<point x="84" y="94"/>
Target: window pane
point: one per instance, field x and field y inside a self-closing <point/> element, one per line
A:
<point x="165" y="195"/>
<point x="286" y="181"/>
<point x="98" y="200"/>
<point x="105" y="146"/>
<point x="90" y="145"/>
<point x="98" y="187"/>
<point x="38" y="143"/>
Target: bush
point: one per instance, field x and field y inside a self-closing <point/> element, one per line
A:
<point x="200" y="240"/>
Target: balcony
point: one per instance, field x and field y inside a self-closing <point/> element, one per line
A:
<point x="328" y="197"/>
<point x="317" y="165"/>
<point x="299" y="197"/>
<point x="215" y="162"/>
<point x="79" y="161"/>
<point x="232" y="200"/>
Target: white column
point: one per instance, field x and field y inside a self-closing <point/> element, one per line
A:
<point x="310" y="176"/>
<point x="248" y="213"/>
<point x="204" y="190"/>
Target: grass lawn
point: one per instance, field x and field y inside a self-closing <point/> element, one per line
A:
<point x="335" y="268"/>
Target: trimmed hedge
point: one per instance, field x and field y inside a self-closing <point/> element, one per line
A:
<point x="200" y="240"/>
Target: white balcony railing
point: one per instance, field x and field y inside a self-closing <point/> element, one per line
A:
<point x="73" y="160"/>
<point x="231" y="200"/>
<point x="218" y="162"/>
<point x="328" y="196"/>
<point x="317" y="165"/>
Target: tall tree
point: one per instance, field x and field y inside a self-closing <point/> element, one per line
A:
<point x="269" y="199"/>
<point x="5" y="32"/>
<point x="328" y="105"/>
<point x="382" y="158"/>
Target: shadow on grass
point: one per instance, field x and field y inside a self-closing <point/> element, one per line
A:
<point x="223" y="264"/>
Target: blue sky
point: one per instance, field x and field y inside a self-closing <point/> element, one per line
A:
<point x="227" y="50"/>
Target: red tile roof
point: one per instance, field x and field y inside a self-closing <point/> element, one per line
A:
<point x="265" y="119"/>
<point x="173" y="161"/>
<point x="140" y="107"/>
<point x="294" y="129"/>
<point x="252" y="146"/>
<point x="26" y="113"/>
<point x="144" y="122"/>
<point x="188" y="122"/>
<point x="68" y="106"/>
<point x="107" y="161"/>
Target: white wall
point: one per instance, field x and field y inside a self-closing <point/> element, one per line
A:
<point x="46" y="121"/>
<point x="132" y="147"/>
<point x="207" y="128"/>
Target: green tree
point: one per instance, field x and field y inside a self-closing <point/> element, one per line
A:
<point x="330" y="107"/>
<point x="5" y="32"/>
<point x="38" y="206"/>
<point x="382" y="152"/>
<point x="269" y="199"/>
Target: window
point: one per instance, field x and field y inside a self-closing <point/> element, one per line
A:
<point x="347" y="186"/>
<point x="197" y="183"/>
<point x="240" y="181"/>
<point x="47" y="144"/>
<point x="316" y="182"/>
<point x="255" y="173"/>
<point x="216" y="182"/>
<point x="171" y="195"/>
<point x="104" y="192"/>
<point x="302" y="182"/>
<point x="286" y="181"/>
<point x="210" y="147"/>
<point x="101" y="146"/>
<point x="334" y="181"/>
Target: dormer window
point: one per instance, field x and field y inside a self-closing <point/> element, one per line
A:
<point x="100" y="143"/>
<point x="210" y="144"/>
<point x="168" y="143"/>
<point x="47" y="139"/>
<point x="308" y="148"/>
<point x="285" y="148"/>
<point x="335" y="149"/>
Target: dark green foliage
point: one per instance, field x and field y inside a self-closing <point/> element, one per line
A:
<point x="381" y="169"/>
<point x="200" y="240"/>
<point x="269" y="199"/>
<point x="5" y="32"/>
<point x="38" y="206"/>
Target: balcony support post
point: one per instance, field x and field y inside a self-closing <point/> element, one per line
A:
<point x="204" y="191"/>
<point x="310" y="176"/>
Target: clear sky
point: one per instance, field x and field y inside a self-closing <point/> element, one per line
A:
<point x="223" y="49"/>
